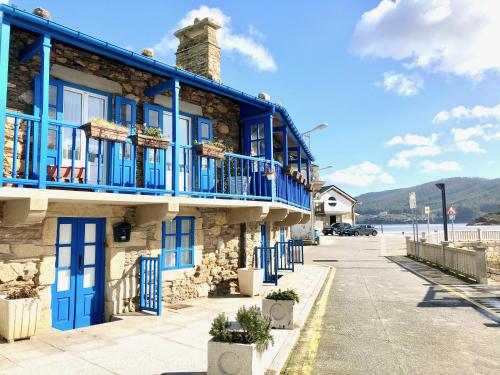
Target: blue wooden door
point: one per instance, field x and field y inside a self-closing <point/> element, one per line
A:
<point x="263" y="235"/>
<point x="78" y="290"/>
<point x="154" y="159"/>
<point x="206" y="166"/>
<point x="123" y="154"/>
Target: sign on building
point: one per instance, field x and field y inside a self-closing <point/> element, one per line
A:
<point x="427" y="210"/>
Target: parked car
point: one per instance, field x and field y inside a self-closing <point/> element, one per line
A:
<point x="362" y="229"/>
<point x="342" y="229"/>
<point x="331" y="229"/>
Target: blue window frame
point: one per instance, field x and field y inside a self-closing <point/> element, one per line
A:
<point x="178" y="243"/>
<point x="256" y="140"/>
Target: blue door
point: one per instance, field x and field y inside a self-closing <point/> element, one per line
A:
<point x="263" y="235"/>
<point x="206" y="166"/>
<point x="123" y="154"/>
<point x="154" y="159"/>
<point x="78" y="290"/>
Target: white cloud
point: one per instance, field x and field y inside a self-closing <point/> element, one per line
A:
<point x="452" y="36"/>
<point x="431" y="166"/>
<point x="402" y="158"/>
<point x="361" y="175"/>
<point x="246" y="45"/>
<point x="470" y="147"/>
<point x="462" y="137"/>
<point x="401" y="84"/>
<point x="459" y="113"/>
<point x="413" y="140"/>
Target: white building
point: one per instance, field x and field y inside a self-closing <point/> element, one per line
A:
<point x="333" y="205"/>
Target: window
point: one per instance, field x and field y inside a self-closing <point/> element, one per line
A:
<point x="332" y="201"/>
<point x="257" y="142"/>
<point x="178" y="243"/>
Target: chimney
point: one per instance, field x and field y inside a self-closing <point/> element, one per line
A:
<point x="198" y="50"/>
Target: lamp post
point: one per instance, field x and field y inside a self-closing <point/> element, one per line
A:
<point x="327" y="167"/>
<point x="307" y="134"/>
<point x="441" y="186"/>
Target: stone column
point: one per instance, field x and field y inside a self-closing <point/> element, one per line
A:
<point x="481" y="275"/>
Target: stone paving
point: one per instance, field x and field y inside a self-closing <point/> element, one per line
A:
<point x="175" y="343"/>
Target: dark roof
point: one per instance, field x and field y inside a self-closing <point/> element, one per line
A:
<point x="24" y="19"/>
<point x="324" y="189"/>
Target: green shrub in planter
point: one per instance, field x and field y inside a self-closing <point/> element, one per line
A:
<point x="237" y="347"/>
<point x="278" y="307"/>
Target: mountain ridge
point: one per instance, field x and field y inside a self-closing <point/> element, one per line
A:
<point x="472" y="196"/>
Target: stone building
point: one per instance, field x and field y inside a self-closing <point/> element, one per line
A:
<point x="70" y="194"/>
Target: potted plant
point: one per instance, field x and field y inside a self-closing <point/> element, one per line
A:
<point x="278" y="306"/>
<point x="298" y="177"/>
<point x="237" y="348"/>
<point x="19" y="313"/>
<point x="214" y="150"/>
<point x="150" y="138"/>
<point x="109" y="131"/>
<point x="270" y="174"/>
<point x="250" y="280"/>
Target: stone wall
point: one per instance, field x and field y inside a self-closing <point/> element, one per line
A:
<point x="95" y="71"/>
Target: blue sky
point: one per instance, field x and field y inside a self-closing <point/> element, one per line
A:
<point x="410" y="88"/>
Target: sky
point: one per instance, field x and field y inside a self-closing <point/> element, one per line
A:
<point x="410" y="89"/>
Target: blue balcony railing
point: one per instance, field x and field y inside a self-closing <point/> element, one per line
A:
<point x="77" y="162"/>
<point x="289" y="190"/>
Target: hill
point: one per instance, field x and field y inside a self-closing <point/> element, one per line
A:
<point x="473" y="197"/>
<point x="488" y="219"/>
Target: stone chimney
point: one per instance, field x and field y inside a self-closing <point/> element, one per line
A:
<point x="198" y="50"/>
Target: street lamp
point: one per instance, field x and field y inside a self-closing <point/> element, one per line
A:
<point x="442" y="187"/>
<point x="327" y="167"/>
<point x="307" y="134"/>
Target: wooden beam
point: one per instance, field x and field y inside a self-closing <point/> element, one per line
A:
<point x="31" y="50"/>
<point x="160" y="88"/>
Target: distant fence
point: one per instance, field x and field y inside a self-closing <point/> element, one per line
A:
<point x="464" y="262"/>
<point x="478" y="235"/>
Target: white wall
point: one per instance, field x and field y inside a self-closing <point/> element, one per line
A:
<point x="343" y="205"/>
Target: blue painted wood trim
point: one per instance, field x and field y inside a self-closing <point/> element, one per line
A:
<point x="31" y="50"/>
<point x="175" y="130"/>
<point x="285" y="147"/>
<point x="4" y="74"/>
<point x="44" y="121"/>
<point x="160" y="88"/>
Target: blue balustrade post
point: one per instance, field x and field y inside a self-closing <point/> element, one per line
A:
<point x="285" y="146"/>
<point x="268" y="140"/>
<point x="308" y="172"/>
<point x="176" y="132"/>
<point x="44" y="120"/>
<point x="4" y="74"/>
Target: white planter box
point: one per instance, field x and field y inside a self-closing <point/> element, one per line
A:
<point x="250" y="281"/>
<point x="19" y="317"/>
<point x="280" y="312"/>
<point x="233" y="359"/>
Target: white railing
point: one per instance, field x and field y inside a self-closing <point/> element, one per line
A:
<point x="469" y="263"/>
<point x="474" y="235"/>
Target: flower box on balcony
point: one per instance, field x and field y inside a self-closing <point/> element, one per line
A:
<point x="65" y="173"/>
<point x="107" y="131"/>
<point x="288" y="170"/>
<point x="298" y="177"/>
<point x="210" y="150"/>
<point x="150" y="141"/>
<point x="309" y="187"/>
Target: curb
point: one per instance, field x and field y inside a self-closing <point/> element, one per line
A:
<point x="493" y="314"/>
<point x="281" y="358"/>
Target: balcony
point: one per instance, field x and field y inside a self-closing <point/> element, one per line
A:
<point x="76" y="162"/>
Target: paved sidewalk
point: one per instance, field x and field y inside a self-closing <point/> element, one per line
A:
<point x="175" y="343"/>
<point x="380" y="318"/>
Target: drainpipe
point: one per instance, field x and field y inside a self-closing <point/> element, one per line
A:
<point x="242" y="260"/>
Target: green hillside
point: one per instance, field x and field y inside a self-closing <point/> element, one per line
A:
<point x="473" y="197"/>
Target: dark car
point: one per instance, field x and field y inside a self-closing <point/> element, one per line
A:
<point x="331" y="229"/>
<point x="362" y="229"/>
<point x="342" y="229"/>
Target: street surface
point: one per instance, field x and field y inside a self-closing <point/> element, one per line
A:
<point x="380" y="318"/>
